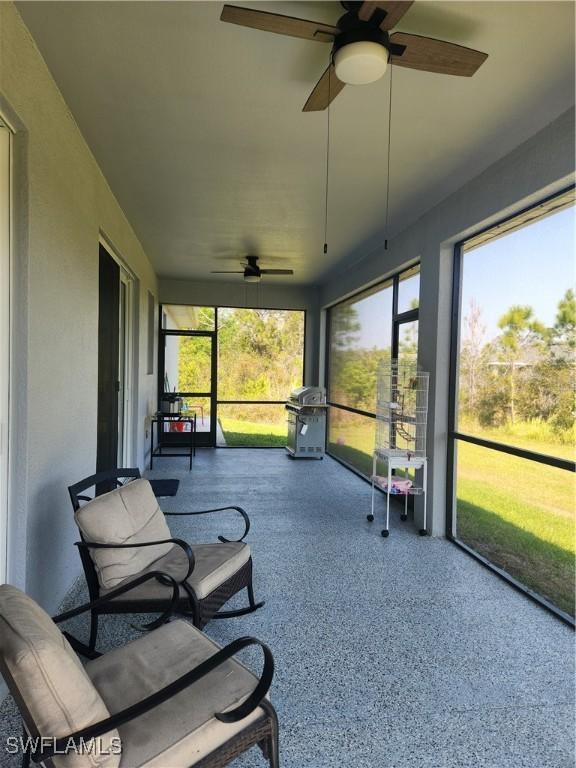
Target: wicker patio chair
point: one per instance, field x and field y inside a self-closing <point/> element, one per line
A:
<point x="171" y="698"/>
<point x="124" y="534"/>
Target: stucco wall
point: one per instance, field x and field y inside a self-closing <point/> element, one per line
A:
<point x="268" y="295"/>
<point x="535" y="169"/>
<point x="63" y="206"/>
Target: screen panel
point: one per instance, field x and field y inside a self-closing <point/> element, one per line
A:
<point x="245" y="425"/>
<point x="351" y="438"/>
<point x="409" y="290"/>
<point x="520" y="516"/>
<point x="360" y="338"/>
<point x="260" y="353"/>
<point x="513" y="383"/>
<point x="518" y="337"/>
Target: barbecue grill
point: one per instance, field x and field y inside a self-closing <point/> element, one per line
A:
<point x="306" y="408"/>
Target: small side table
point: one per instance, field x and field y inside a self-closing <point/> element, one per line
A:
<point x="399" y="460"/>
<point x="160" y="452"/>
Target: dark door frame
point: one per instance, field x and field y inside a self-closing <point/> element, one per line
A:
<point x="108" y="360"/>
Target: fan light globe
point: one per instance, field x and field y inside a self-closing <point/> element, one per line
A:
<point x="252" y="278"/>
<point x="360" y="63"/>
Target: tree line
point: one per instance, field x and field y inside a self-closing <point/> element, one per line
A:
<point x="526" y="373"/>
<point x="353" y="369"/>
<point x="260" y="357"/>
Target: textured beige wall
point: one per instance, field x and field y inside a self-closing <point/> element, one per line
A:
<point x="63" y="206"/>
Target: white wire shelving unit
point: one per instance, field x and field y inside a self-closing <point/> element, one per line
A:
<point x="401" y="420"/>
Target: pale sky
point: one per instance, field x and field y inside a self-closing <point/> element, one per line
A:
<point x="534" y="265"/>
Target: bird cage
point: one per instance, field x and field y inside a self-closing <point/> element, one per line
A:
<point x="401" y="409"/>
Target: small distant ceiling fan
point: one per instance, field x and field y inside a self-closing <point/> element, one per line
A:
<point x="362" y="45"/>
<point x="252" y="272"/>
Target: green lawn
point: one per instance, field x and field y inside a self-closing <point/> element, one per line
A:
<point x="253" y="434"/>
<point x="520" y="515"/>
<point x="533" y="435"/>
<point x="353" y="443"/>
<point x="356" y="457"/>
<point x="517" y="513"/>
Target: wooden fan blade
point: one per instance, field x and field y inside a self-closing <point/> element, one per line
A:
<point x="430" y="55"/>
<point x="227" y="272"/>
<point x="325" y="91"/>
<point x="394" y="11"/>
<point x="281" y="25"/>
<point x="276" y="271"/>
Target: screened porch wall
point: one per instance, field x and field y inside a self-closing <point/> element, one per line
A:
<point x="537" y="168"/>
<point x="265" y="295"/>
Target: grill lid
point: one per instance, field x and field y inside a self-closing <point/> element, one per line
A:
<point x="308" y="396"/>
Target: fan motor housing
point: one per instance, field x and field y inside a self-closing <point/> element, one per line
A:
<point x="353" y="30"/>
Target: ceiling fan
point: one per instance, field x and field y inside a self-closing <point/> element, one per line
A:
<point x="252" y="272"/>
<point x="362" y="45"/>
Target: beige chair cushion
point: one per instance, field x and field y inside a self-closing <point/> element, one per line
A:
<point x="214" y="564"/>
<point x="42" y="670"/>
<point x="127" y="515"/>
<point x="183" y="730"/>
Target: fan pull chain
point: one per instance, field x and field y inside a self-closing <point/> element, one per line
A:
<point x="327" y="159"/>
<point x="388" y="159"/>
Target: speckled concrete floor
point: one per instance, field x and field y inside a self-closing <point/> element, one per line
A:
<point x="397" y="653"/>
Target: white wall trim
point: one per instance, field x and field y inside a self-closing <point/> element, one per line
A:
<point x="6" y="177"/>
<point x="129" y="375"/>
<point x="105" y="241"/>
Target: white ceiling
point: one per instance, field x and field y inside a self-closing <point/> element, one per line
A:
<point x="198" y="126"/>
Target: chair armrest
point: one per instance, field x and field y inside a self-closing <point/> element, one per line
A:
<point x="163" y="577"/>
<point x="219" y="509"/>
<point x="186" y="547"/>
<point x="157" y="698"/>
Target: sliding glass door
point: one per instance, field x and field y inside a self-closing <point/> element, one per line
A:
<point x="125" y="369"/>
<point x="512" y="435"/>
<point x="115" y="362"/>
